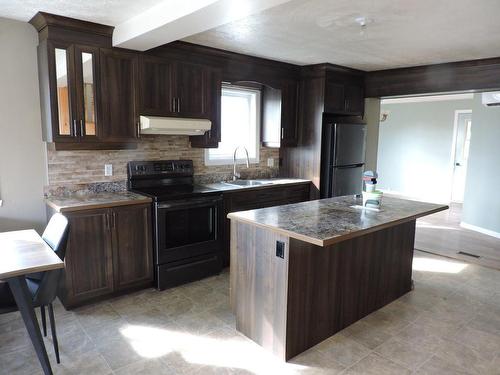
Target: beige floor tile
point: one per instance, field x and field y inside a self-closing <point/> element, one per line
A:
<point x="375" y="364"/>
<point x="319" y="362"/>
<point x="367" y="334"/>
<point x="191" y="330"/>
<point x="89" y="363"/>
<point x="437" y="366"/>
<point x="463" y="357"/>
<point x="419" y="336"/>
<point x="14" y="340"/>
<point x="20" y="362"/>
<point x="145" y="367"/>
<point x="404" y="353"/>
<point x="119" y="353"/>
<point x="488" y="344"/>
<point x="199" y="323"/>
<point x="343" y="349"/>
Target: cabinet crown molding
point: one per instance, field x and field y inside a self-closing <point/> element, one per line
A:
<point x="56" y="27"/>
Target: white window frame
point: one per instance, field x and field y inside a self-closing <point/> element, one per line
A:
<point x="241" y="156"/>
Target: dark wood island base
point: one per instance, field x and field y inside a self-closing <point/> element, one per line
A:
<point x="290" y="304"/>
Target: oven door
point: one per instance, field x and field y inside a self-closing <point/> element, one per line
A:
<point x="187" y="228"/>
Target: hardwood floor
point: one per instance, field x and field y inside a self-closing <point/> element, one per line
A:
<point x="442" y="234"/>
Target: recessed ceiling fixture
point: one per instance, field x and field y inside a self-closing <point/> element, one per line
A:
<point x="363" y="22"/>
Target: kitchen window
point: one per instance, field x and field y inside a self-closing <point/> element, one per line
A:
<point x="240" y="126"/>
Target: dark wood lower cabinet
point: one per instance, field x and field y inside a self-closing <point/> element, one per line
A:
<point x="88" y="262"/>
<point x="267" y="196"/>
<point x="132" y="260"/>
<point x="109" y="251"/>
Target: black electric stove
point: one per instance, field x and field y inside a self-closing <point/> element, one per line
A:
<point x="187" y="220"/>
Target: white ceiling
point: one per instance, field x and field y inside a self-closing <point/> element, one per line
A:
<point x="107" y="12"/>
<point x="403" y="32"/>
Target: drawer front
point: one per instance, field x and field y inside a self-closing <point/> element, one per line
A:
<point x="267" y="197"/>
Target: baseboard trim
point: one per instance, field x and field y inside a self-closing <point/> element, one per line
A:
<point x="480" y="230"/>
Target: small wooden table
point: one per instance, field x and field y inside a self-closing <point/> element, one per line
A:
<point x="21" y="253"/>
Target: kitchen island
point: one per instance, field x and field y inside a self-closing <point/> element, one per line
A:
<point x="302" y="272"/>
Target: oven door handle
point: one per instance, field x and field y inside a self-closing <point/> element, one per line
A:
<point x="189" y="203"/>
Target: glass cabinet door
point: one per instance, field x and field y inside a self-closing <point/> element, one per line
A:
<point x="62" y="73"/>
<point x="86" y="79"/>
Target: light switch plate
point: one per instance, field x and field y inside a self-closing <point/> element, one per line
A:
<point x="108" y="170"/>
<point x="270" y="162"/>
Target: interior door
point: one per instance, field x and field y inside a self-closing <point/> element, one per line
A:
<point x="462" y="142"/>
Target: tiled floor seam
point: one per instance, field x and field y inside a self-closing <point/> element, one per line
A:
<point x="359" y="360"/>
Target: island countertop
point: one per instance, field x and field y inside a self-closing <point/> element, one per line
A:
<point x="78" y="202"/>
<point x="327" y="221"/>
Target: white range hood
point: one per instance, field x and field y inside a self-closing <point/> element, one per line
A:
<point x="173" y="125"/>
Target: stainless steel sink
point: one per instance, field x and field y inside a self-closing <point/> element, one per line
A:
<point x="248" y="183"/>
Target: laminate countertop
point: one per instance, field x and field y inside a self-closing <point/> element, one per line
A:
<point x="78" y="202"/>
<point x="268" y="182"/>
<point x="327" y="221"/>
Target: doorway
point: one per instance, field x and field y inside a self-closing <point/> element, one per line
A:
<point x="460" y="153"/>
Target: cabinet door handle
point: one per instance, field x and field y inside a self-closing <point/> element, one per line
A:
<point x="114" y="219"/>
<point x="282" y="133"/>
<point x="138" y="129"/>
<point x="107" y="221"/>
<point x="173" y="104"/>
<point x="82" y="129"/>
<point x="346" y="104"/>
<point x="74" y="129"/>
<point x="178" y="105"/>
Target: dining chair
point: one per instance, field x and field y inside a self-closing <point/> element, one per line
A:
<point x="43" y="285"/>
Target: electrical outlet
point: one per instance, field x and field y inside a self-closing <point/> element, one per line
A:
<point x="280" y="249"/>
<point x="270" y="162"/>
<point x="108" y="170"/>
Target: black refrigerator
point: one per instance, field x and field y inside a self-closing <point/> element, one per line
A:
<point x="343" y="146"/>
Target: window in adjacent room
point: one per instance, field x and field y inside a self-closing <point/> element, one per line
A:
<point x="240" y="126"/>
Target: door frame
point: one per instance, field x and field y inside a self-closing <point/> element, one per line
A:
<point x="458" y="112"/>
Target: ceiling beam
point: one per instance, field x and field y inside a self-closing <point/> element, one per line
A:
<point x="177" y="19"/>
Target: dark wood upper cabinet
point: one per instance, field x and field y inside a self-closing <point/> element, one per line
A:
<point x="279" y="115"/>
<point x="213" y="98"/>
<point x="172" y="88"/>
<point x="70" y="101"/>
<point x="87" y="89"/>
<point x="344" y="93"/>
<point x="192" y="90"/>
<point x="289" y="113"/>
<point x="119" y="70"/>
<point x="156" y="82"/>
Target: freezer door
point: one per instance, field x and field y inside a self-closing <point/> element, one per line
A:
<point x="350" y="144"/>
<point x="347" y="180"/>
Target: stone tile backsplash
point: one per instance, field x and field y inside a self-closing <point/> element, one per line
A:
<point x="83" y="171"/>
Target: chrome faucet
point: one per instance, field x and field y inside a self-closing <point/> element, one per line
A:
<point x="235" y="174"/>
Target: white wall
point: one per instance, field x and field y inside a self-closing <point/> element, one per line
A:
<point x="481" y="203"/>
<point x="22" y="155"/>
<point x="414" y="149"/>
